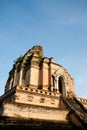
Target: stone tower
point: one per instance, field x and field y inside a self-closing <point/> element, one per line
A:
<point x="33" y="70"/>
<point x="41" y="92"/>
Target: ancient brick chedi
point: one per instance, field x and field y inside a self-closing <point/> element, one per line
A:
<point x="40" y="89"/>
<point x="35" y="71"/>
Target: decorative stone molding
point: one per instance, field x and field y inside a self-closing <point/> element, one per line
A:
<point x="57" y="74"/>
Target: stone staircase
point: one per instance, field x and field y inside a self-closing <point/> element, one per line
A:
<point x="76" y="107"/>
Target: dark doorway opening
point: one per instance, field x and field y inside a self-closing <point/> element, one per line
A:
<point x="60" y="83"/>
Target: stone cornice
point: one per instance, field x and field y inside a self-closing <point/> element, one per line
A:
<point x="38" y="91"/>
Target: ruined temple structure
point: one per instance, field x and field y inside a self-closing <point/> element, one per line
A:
<point x="39" y="93"/>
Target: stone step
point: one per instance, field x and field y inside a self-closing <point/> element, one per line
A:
<point x="76" y="107"/>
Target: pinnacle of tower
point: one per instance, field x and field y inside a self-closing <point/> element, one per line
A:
<point x="37" y="49"/>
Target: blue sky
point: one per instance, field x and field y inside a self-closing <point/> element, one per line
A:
<point x="60" y="26"/>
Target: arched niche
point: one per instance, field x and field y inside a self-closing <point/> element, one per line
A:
<point x="61" y="85"/>
<point x="60" y="82"/>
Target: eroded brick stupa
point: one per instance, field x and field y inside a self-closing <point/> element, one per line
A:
<point x="40" y="93"/>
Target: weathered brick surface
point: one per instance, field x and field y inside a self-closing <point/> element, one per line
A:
<point x="33" y="111"/>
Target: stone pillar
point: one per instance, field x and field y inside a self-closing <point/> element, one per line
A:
<point x="34" y="75"/>
<point x="15" y="78"/>
<point x="21" y="75"/>
<point x="11" y="83"/>
<point x="56" y="84"/>
<point x="45" y="75"/>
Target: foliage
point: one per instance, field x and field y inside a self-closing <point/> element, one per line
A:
<point x="18" y="62"/>
<point x="27" y="61"/>
<point x="40" y="56"/>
